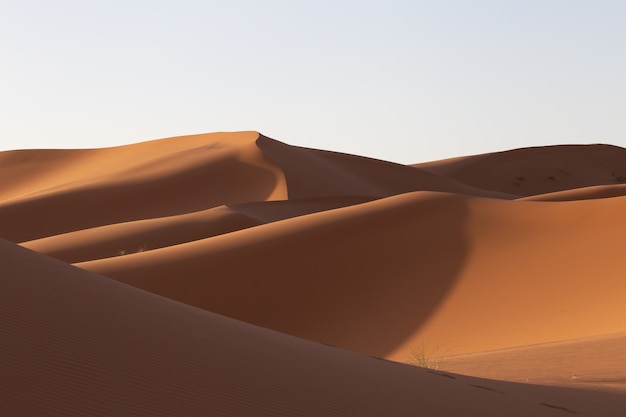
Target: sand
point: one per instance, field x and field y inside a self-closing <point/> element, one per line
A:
<point x="232" y="274"/>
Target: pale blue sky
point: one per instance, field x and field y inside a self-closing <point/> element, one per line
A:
<point x="405" y="81"/>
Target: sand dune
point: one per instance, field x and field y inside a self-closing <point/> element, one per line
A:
<point x="506" y="266"/>
<point x="152" y="179"/>
<point x="349" y="277"/>
<point x="141" y="235"/>
<point x="551" y="272"/>
<point x="531" y="171"/>
<point x="584" y="193"/>
<point x="556" y="363"/>
<point x="79" y="344"/>
<point x="318" y="173"/>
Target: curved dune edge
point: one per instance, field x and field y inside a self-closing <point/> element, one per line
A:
<point x="585" y="193"/>
<point x="450" y="258"/>
<point x="37" y="171"/>
<point x="79" y="344"/>
<point x="87" y="189"/>
<point x="534" y="273"/>
<point x="143" y="235"/>
<point x="378" y="264"/>
<point x="325" y="269"/>
<point x="318" y="173"/>
<point x="537" y="170"/>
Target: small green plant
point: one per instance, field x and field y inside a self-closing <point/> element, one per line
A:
<point x="121" y="252"/>
<point x="421" y="355"/>
<point x="142" y="248"/>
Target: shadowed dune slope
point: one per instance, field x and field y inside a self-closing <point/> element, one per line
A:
<point x="78" y="344"/>
<point x="464" y="272"/>
<point x="77" y="189"/>
<point x="319" y="173"/>
<point x="360" y="277"/>
<point x="535" y="272"/>
<point x="538" y="170"/>
<point x="513" y="258"/>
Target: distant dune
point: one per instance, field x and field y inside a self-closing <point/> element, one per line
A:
<point x="230" y="274"/>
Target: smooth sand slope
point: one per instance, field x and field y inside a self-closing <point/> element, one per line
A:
<point x="557" y="363"/>
<point x="75" y="343"/>
<point x="458" y="258"/>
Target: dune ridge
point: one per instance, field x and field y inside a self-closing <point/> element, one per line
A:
<point x="101" y="348"/>
<point x="539" y="170"/>
<point x="153" y="179"/>
<point x="235" y="273"/>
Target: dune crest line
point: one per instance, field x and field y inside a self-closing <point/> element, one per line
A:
<point x="232" y="273"/>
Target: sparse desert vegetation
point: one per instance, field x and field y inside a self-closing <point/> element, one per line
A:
<point x="141" y="248"/>
<point x="425" y="356"/>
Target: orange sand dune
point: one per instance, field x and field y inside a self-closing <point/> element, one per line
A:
<point x="547" y="274"/>
<point x="140" y="235"/>
<point x="555" y="363"/>
<point x="352" y="277"/>
<point x="82" y="189"/>
<point x="539" y="170"/>
<point x="512" y="258"/>
<point x="318" y="173"/>
<point x="75" y="343"/>
<point x="584" y="193"/>
<point x="533" y="272"/>
<point x="132" y="237"/>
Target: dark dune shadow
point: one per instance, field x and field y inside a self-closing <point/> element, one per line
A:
<point x="363" y="281"/>
<point x="364" y="285"/>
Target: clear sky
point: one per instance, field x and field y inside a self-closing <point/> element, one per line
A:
<point x="405" y="81"/>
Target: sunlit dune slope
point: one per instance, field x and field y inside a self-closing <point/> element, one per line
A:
<point x="79" y="344"/>
<point x="63" y="191"/>
<point x="142" y="235"/>
<point x="412" y="268"/>
<point x="539" y="170"/>
<point x="514" y="258"/>
<point x="319" y="173"/>
<point x="598" y="362"/>
<point x="584" y="193"/>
